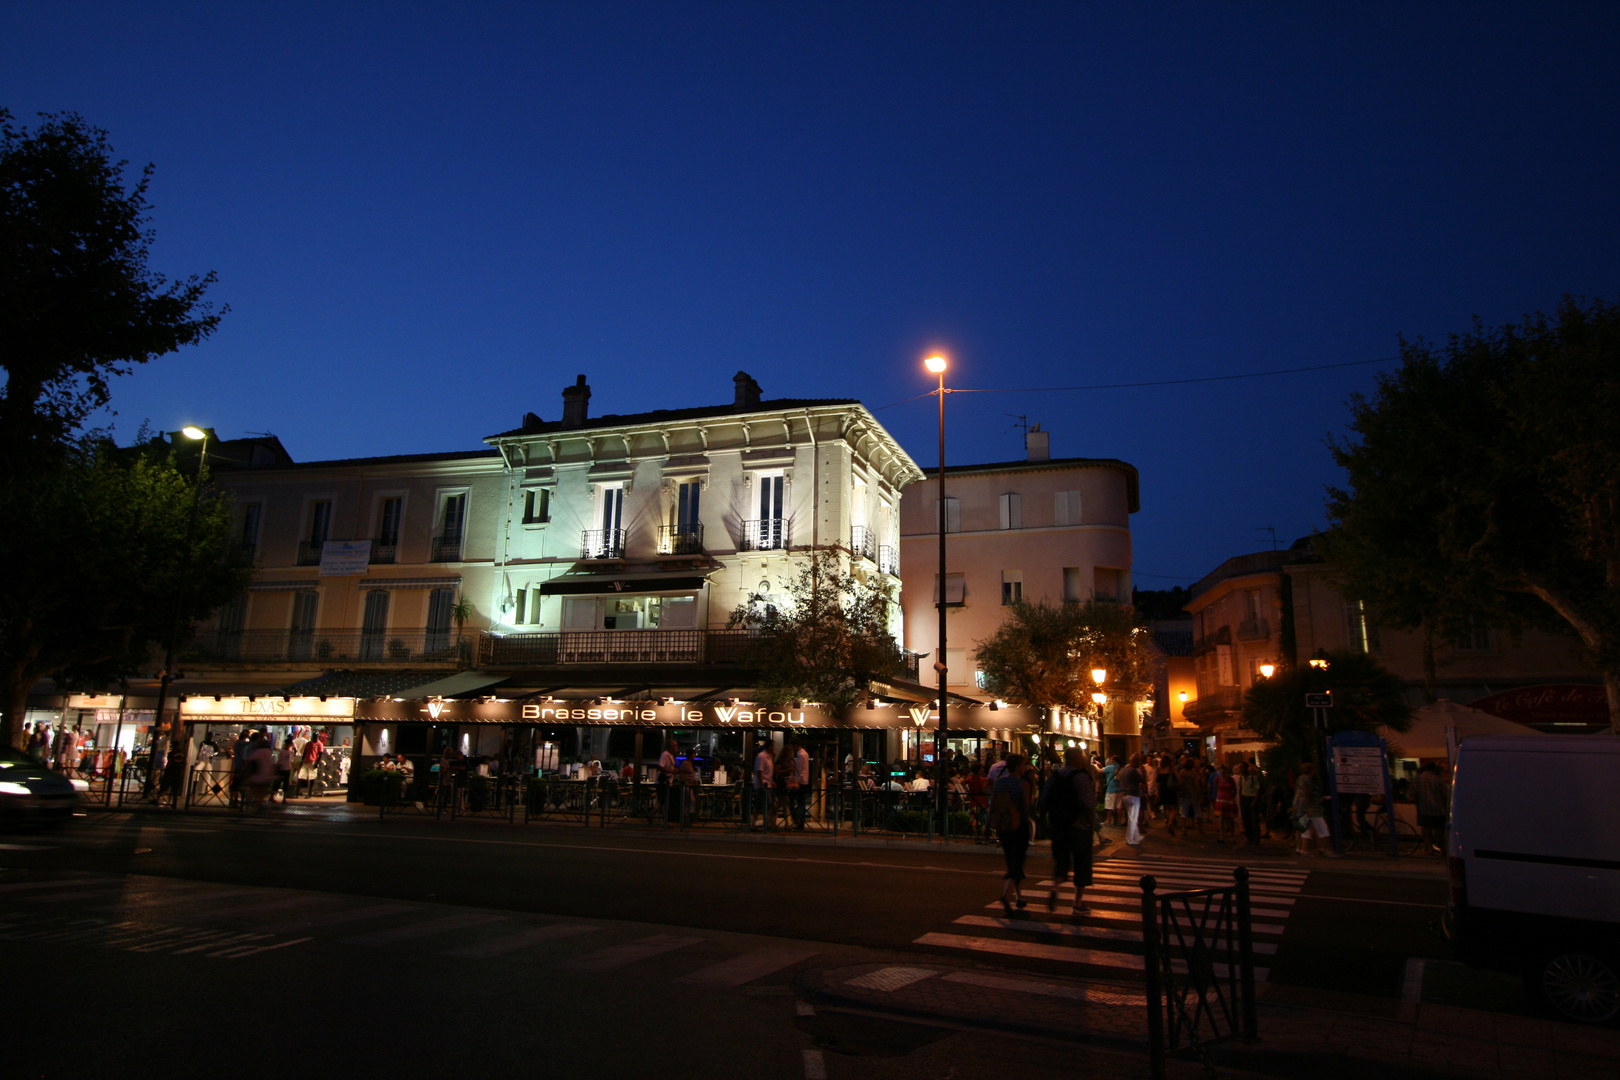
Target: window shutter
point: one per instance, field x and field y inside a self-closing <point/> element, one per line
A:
<point x="1066" y="508"/>
<point x="953" y="515"/>
<point x="1011" y="511"/>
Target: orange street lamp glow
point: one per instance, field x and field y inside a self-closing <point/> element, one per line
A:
<point x="935" y="365"/>
<point x="1183" y="697"/>
<point x="1100" y="699"/>
<point x="1099" y="675"/>
<point x="1266" y="670"/>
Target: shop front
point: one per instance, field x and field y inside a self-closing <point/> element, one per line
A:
<point x="319" y="730"/>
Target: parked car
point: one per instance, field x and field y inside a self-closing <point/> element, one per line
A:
<point x="31" y="792"/>
<point x="1535" y="885"/>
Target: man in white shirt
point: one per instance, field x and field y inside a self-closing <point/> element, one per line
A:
<point x="666" y="774"/>
<point x="764" y="784"/>
<point x="801" y="786"/>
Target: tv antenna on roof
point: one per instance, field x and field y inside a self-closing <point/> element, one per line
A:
<point x="1272" y="529"/>
<point x="1022" y="422"/>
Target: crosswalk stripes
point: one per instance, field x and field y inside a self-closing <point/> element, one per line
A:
<point x="1108" y="935"/>
<point x="535" y="935"/>
<point x="410" y="931"/>
<point x="617" y="956"/>
<point x="745" y="968"/>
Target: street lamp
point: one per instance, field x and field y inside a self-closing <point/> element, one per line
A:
<point x="196" y="434"/>
<point x="1320" y="660"/>
<point x="1266" y="670"/>
<point x="936" y="365"/>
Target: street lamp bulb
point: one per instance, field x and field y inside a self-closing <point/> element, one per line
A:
<point x="192" y="432"/>
<point x="1319" y="664"/>
<point x="1266" y="670"/>
<point x="935" y="364"/>
<point x="1099" y="675"/>
<point x="1183" y="697"/>
<point x="1100" y="699"/>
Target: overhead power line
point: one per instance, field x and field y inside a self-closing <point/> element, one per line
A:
<point x="1155" y="382"/>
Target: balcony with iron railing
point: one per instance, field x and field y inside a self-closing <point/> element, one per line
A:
<point x="1214" y="703"/>
<point x="245" y="554"/>
<point x="328" y="647"/>
<point x="684" y="539"/>
<point x="739" y="648"/>
<point x="1253" y="630"/>
<point x="764" y="534"/>
<point x="309" y="552"/>
<point x="888" y="560"/>
<point x="385" y="552"/>
<point x="445" y="549"/>
<point x="863" y="543"/>
<point x="601" y="544"/>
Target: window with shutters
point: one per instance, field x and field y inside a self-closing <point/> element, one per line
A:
<point x="1072" y="589"/>
<point x="1066" y="508"/>
<point x="953" y="515"/>
<point x="536" y="505"/>
<point x="1012" y="515"/>
<point x="955" y="590"/>
<point x="1012" y="587"/>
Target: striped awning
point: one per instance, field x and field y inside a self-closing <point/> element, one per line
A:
<point x="284" y="586"/>
<point x="411" y="583"/>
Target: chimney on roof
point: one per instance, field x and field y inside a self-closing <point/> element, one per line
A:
<point x="531" y="423"/>
<point x="1037" y="444"/>
<point x="576" y="403"/>
<point x="747" y="392"/>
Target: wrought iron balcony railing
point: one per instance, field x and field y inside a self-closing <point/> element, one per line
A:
<point x="680" y="539"/>
<point x="619" y="647"/>
<point x="1253" y="630"/>
<point x="764" y="534"/>
<point x="445" y="549"/>
<point x="888" y="560"/>
<point x="863" y="543"/>
<point x="328" y="647"/>
<point x="309" y="552"/>
<point x="383" y="553"/>
<point x="245" y="554"/>
<point x="601" y="544"/>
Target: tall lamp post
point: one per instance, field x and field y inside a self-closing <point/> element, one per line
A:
<point x="936" y="365"/>
<point x="167" y="676"/>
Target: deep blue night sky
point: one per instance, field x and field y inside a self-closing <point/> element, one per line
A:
<point x="427" y="219"/>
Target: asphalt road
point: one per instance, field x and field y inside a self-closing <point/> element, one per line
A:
<point x="434" y="946"/>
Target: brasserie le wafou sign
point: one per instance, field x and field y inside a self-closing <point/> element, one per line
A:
<point x="720" y="714"/>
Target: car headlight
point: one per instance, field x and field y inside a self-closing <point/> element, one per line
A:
<point x="8" y="788"/>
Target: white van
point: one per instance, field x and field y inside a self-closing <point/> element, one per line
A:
<point x="1535" y="866"/>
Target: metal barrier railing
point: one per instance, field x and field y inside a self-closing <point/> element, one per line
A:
<point x="1198" y="951"/>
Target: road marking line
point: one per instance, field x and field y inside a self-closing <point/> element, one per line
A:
<point x="1029" y="949"/>
<point x="100" y="893"/>
<point x="1136" y="893"/>
<point x="1132" y="913"/>
<point x="251" y="950"/>
<point x="375" y="911"/>
<point x="745" y="968"/>
<point x="804" y="1008"/>
<point x="28" y="886"/>
<point x="1412" y="985"/>
<point x="1098" y="933"/>
<point x="269" y="908"/>
<point x="426" y="929"/>
<point x="221" y="941"/>
<point x="891" y="978"/>
<point x="188" y="896"/>
<point x="620" y="955"/>
<point x="25" y="847"/>
<point x="815" y="1066"/>
<point x="1096" y="994"/>
<point x="534" y="935"/>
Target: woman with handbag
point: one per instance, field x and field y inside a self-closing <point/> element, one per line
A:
<point x="1009" y="817"/>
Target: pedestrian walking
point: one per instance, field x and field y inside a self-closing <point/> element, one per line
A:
<point x="666" y="775"/>
<point x="1131" y="785"/>
<point x="1248" y="785"/>
<point x="764" y="785"/>
<point x="1111" y="789"/>
<point x="1010" y="818"/>
<point x="1433" y="806"/>
<point x="1308" y="811"/>
<point x="1069" y="802"/>
<point x="1226" y="804"/>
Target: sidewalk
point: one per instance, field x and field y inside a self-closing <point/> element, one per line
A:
<point x="1425" y="1042"/>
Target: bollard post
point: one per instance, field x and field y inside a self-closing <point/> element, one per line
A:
<point x="1150" y="968"/>
<point x="1251" y="1018"/>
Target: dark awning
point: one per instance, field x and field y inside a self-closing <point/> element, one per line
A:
<point x="588" y="584"/>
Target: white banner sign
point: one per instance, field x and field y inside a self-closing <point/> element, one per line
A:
<point x="343" y="558"/>
<point x="1358" y="770"/>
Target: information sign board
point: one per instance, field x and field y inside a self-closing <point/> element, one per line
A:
<point x="1358" y="770"/>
